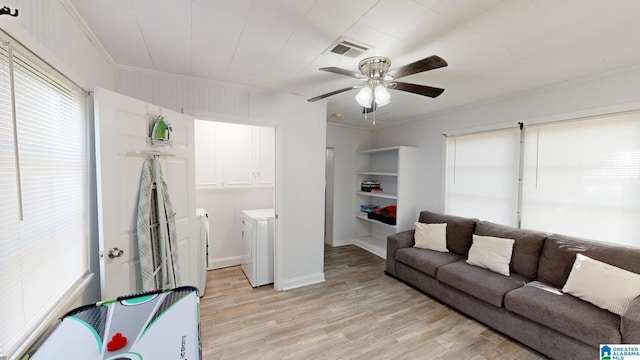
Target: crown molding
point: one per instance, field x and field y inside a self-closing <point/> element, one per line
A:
<point x="88" y="31"/>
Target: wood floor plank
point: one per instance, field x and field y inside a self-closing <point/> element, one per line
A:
<point x="357" y="313"/>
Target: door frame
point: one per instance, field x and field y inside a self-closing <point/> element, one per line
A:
<point x="277" y="193"/>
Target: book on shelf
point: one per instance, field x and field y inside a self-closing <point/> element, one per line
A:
<point x="370" y="186"/>
<point x="370" y="182"/>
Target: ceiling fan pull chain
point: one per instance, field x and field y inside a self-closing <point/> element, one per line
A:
<point x="374" y="119"/>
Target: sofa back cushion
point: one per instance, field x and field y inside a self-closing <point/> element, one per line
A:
<point x="526" y="249"/>
<point x="459" y="230"/>
<point x="559" y="253"/>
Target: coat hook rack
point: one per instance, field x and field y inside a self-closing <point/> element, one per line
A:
<point x="7" y="11"/>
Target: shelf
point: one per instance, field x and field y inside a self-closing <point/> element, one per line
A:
<point x="365" y="218"/>
<point x="376" y="173"/>
<point x="378" y="194"/>
<point x="373" y="245"/>
<point x="395" y="168"/>
<point x="369" y="151"/>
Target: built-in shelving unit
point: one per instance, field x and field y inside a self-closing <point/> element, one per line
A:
<point x="396" y="170"/>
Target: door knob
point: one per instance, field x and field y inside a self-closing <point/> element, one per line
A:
<point x="115" y="252"/>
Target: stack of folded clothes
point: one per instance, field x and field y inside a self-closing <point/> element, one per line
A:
<point x="366" y="209"/>
<point x="386" y="215"/>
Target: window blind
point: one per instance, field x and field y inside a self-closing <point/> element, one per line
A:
<point x="482" y="175"/>
<point x="582" y="178"/>
<point x="43" y="192"/>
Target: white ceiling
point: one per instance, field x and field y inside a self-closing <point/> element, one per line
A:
<point x="495" y="48"/>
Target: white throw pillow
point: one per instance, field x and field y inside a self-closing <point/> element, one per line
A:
<point x="603" y="285"/>
<point x="491" y="253"/>
<point x="431" y="236"/>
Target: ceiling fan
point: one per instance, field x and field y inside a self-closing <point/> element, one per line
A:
<point x="375" y="72"/>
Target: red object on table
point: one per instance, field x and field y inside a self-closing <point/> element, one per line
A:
<point x="117" y="342"/>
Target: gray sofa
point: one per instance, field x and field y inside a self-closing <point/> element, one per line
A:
<point x="523" y="305"/>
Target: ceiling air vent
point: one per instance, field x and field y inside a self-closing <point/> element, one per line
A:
<point x="348" y="48"/>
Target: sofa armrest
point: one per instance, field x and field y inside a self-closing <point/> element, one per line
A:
<point x="630" y="324"/>
<point x="395" y="242"/>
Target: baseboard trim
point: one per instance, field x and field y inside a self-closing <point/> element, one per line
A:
<point x="338" y="243"/>
<point x="224" y="262"/>
<point x="301" y="281"/>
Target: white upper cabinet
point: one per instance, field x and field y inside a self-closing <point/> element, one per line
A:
<point x="234" y="155"/>
<point x="265" y="152"/>
<point x="207" y="172"/>
<point x="237" y="153"/>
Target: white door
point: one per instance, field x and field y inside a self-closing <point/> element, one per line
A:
<point x="122" y="127"/>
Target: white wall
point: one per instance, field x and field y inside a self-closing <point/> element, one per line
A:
<point x="346" y="141"/>
<point x="300" y="148"/>
<point x="599" y="94"/>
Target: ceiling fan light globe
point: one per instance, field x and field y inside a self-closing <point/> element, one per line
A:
<point x="382" y="95"/>
<point x="382" y="103"/>
<point x="364" y="96"/>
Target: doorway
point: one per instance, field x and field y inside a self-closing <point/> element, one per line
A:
<point x="235" y="171"/>
<point x="328" y="195"/>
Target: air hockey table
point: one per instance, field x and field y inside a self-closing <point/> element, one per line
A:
<point x="153" y="325"/>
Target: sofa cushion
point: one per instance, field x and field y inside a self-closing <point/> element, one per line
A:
<point x="431" y="236"/>
<point x="590" y="280"/>
<point x="526" y="249"/>
<point x="459" y="230"/>
<point x="427" y="261"/>
<point x="479" y="282"/>
<point x="566" y="314"/>
<point x="559" y="253"/>
<point x="491" y="253"/>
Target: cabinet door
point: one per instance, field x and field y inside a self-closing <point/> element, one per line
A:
<point x="264" y="155"/>
<point x="208" y="169"/>
<point x="238" y="165"/>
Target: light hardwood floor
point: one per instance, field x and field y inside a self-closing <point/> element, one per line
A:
<point x="357" y="313"/>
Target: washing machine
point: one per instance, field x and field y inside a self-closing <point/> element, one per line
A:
<point x="203" y="256"/>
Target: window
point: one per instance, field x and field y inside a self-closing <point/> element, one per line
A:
<point x="580" y="177"/>
<point x="482" y="175"/>
<point x="583" y="178"/>
<point x="43" y="192"/>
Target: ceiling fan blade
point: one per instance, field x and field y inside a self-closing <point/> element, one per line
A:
<point x="332" y="93"/>
<point x="428" y="63"/>
<point x="344" y="72"/>
<point x="416" y="89"/>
